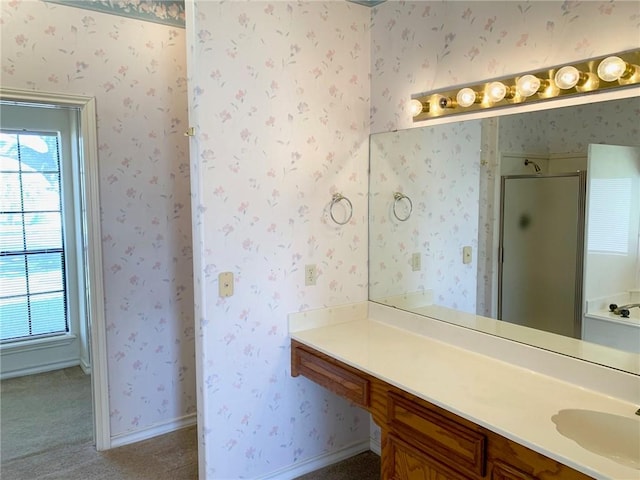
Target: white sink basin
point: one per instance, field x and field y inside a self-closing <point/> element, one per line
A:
<point x="611" y="436"/>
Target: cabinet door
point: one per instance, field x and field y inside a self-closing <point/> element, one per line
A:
<point x="502" y="471"/>
<point x="448" y="441"/>
<point x="402" y="461"/>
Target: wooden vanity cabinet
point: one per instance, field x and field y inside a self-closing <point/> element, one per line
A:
<point x="403" y="461"/>
<point x="421" y="441"/>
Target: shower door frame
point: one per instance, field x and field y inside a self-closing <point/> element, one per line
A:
<point x="581" y="175"/>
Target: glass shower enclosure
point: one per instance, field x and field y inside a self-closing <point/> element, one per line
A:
<point x="541" y="251"/>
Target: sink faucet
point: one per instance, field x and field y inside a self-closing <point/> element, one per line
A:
<point x="623" y="310"/>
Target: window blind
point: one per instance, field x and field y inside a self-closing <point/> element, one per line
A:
<point x="609" y="215"/>
<point x="33" y="296"/>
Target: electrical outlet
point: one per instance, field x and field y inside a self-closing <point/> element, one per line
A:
<point x="416" y="262"/>
<point x="310" y="274"/>
<point x="466" y="255"/>
<point x="225" y="284"/>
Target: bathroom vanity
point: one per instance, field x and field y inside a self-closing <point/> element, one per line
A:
<point x="421" y="440"/>
<point x="448" y="412"/>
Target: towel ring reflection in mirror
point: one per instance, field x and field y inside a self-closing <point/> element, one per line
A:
<point x="336" y="199"/>
<point x="397" y="198"/>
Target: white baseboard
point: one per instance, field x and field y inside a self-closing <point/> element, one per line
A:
<point x="146" y="433"/>
<point x="85" y="366"/>
<point x="311" y="464"/>
<point x="38" y="355"/>
<point x="374" y="436"/>
<point x="49" y="367"/>
<point x="374" y="445"/>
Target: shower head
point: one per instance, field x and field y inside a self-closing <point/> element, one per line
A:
<point x="535" y="165"/>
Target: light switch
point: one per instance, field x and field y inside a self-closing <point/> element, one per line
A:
<point x="416" y="262"/>
<point x="466" y="255"/>
<point x="225" y="284"/>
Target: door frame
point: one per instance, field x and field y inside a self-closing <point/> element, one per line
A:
<point x="92" y="239"/>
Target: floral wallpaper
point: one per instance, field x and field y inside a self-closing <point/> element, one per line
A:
<point x="265" y="163"/>
<point x="438" y="168"/>
<point x="137" y="72"/>
<point x="279" y="97"/>
<point x="283" y="96"/>
<point x="572" y="129"/>
<point x="422" y="46"/>
<point x="165" y="12"/>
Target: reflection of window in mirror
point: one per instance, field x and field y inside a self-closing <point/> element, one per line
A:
<point x="609" y="215"/>
<point x="452" y="171"/>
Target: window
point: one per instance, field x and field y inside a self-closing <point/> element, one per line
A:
<point x="33" y="293"/>
<point x="609" y="215"/>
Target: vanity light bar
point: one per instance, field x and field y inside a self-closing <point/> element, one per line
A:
<point x="597" y="74"/>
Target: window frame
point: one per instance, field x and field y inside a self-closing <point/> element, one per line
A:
<point x="90" y="247"/>
<point x="66" y="210"/>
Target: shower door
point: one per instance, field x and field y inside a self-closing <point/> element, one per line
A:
<point x="541" y="251"/>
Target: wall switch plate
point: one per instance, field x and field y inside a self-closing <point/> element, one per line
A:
<point x="466" y="255"/>
<point x="310" y="274"/>
<point x="225" y="284"/>
<point x="416" y="262"/>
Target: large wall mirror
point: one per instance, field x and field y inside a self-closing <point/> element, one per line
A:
<point x="523" y="225"/>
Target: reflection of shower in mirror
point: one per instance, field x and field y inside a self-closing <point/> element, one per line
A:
<point x="457" y="203"/>
<point x="535" y="165"/>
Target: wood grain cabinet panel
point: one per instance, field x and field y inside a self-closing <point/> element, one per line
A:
<point x="446" y="440"/>
<point x="512" y="461"/>
<point x="421" y="441"/>
<point x="328" y="373"/>
<point x="502" y="471"/>
<point x="405" y="462"/>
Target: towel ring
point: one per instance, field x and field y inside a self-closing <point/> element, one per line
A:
<point x="337" y="198"/>
<point x="397" y="197"/>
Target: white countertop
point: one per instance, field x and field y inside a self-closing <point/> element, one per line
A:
<point x="616" y="358"/>
<point x="515" y="402"/>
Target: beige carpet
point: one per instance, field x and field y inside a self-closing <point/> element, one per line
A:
<point x="45" y="411"/>
<point x="46" y="434"/>
<point x="365" y="466"/>
<point x="173" y="456"/>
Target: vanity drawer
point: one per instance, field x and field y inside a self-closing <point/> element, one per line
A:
<point x="329" y="373"/>
<point x="445" y="440"/>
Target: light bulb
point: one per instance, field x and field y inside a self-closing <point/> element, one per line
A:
<point x="614" y="68"/>
<point x="528" y="85"/>
<point x="567" y="77"/>
<point x="496" y="91"/>
<point x="466" y="97"/>
<point x="611" y="69"/>
<point x="416" y="107"/>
